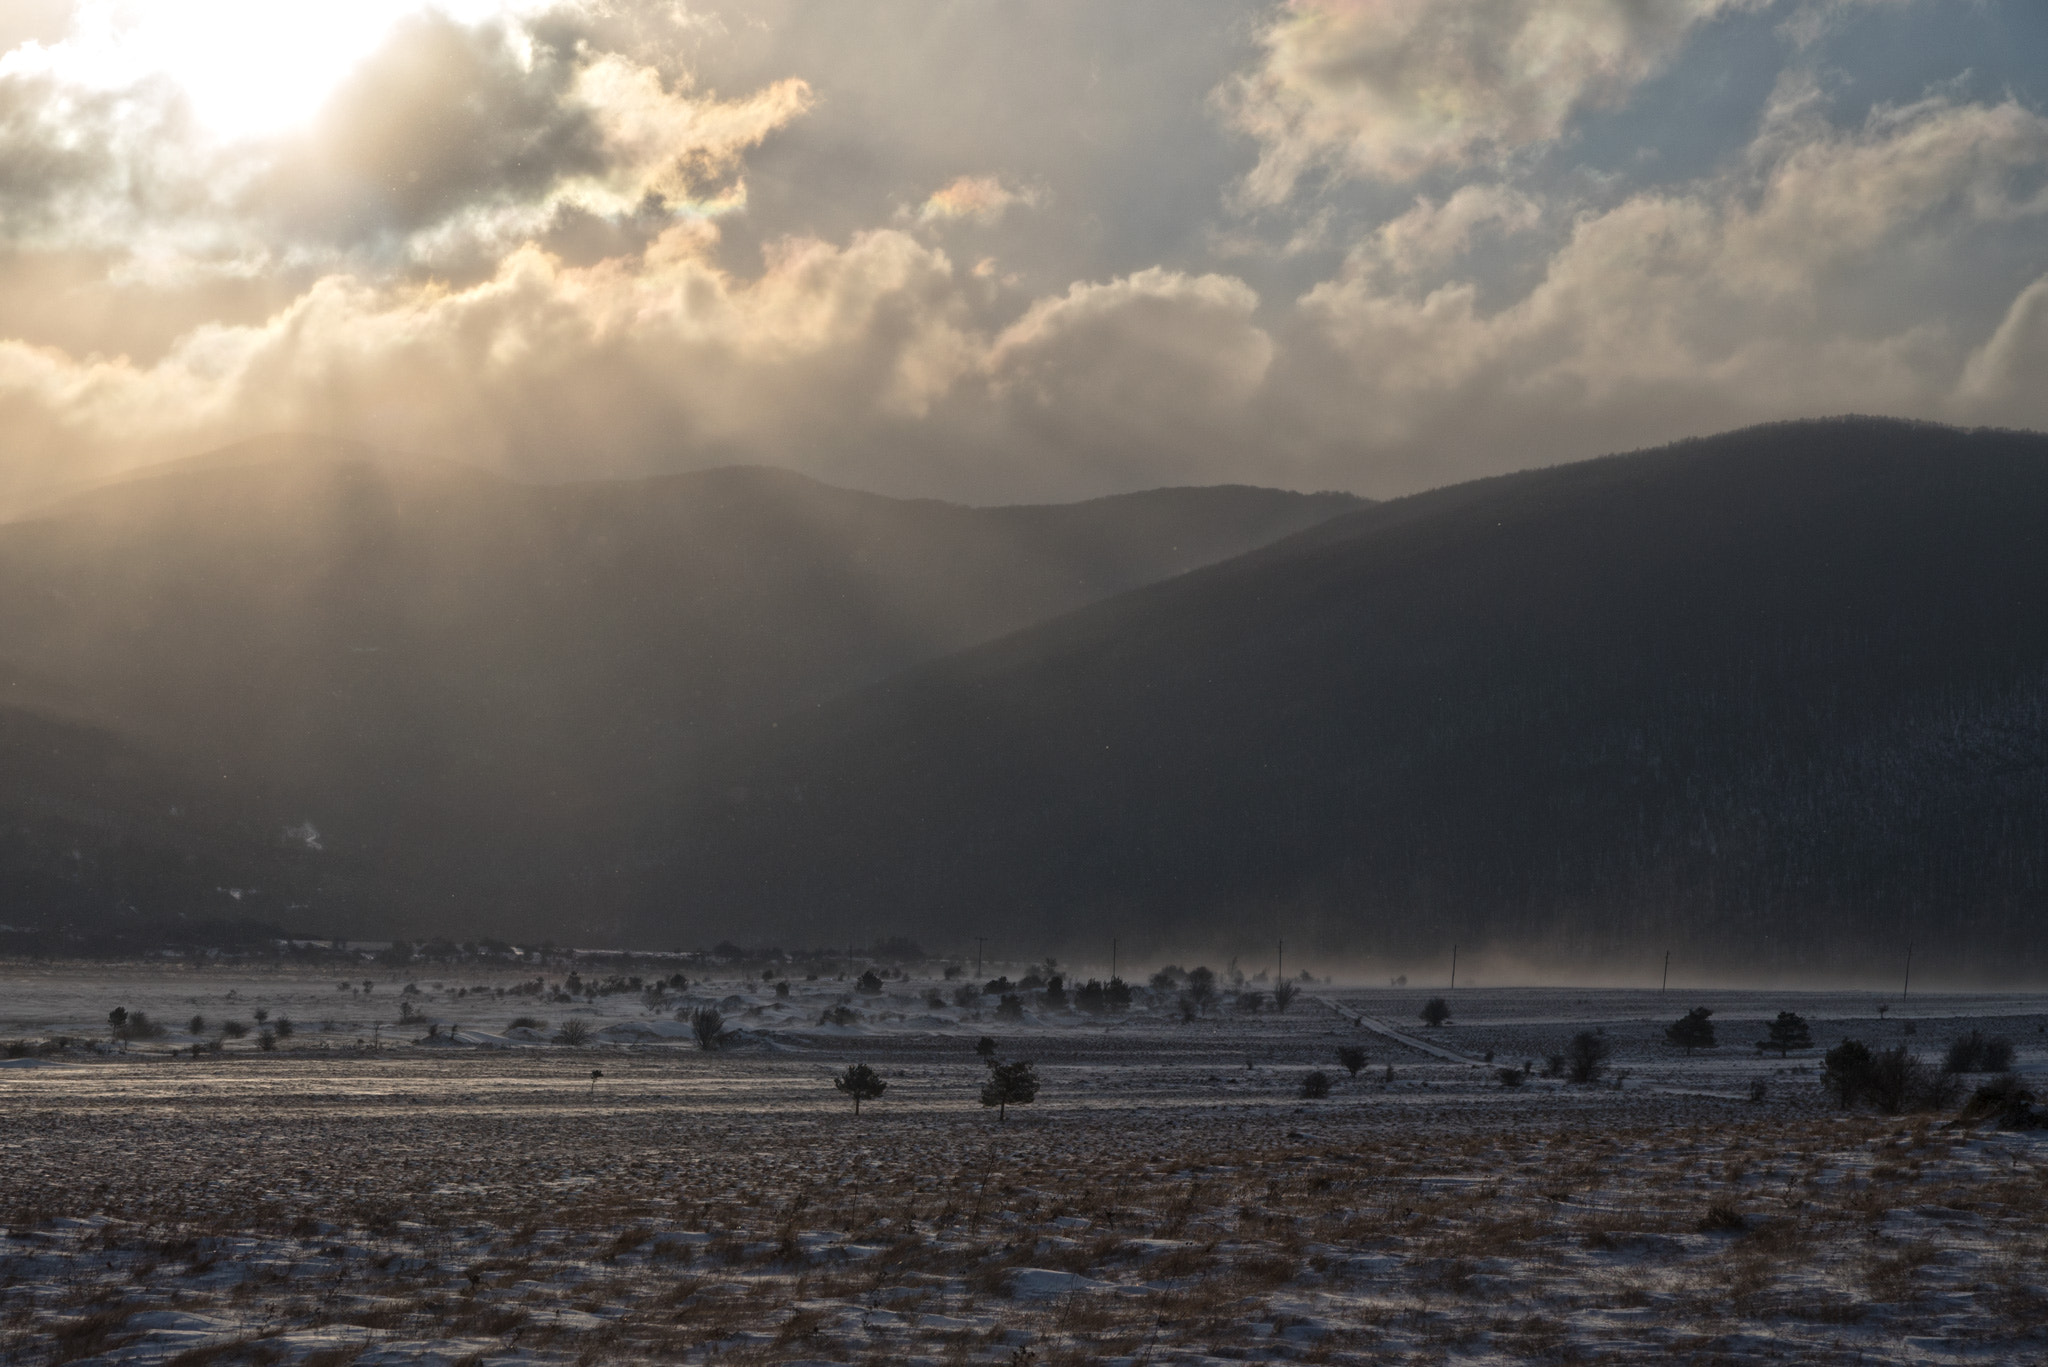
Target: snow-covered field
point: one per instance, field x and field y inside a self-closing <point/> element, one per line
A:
<point x="365" y="1192"/>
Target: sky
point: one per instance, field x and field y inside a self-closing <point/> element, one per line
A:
<point x="1008" y="252"/>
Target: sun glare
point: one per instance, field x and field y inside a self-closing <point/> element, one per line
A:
<point x="250" y="68"/>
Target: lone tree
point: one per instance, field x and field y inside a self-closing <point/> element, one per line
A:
<point x="705" y="1023"/>
<point x="1436" y="1011"/>
<point x="1009" y="1084"/>
<point x="986" y="1048"/>
<point x="861" y="1083"/>
<point x="1787" y="1032"/>
<point x="1691" y="1031"/>
<point x="1315" y="1086"/>
<point x="1202" y="987"/>
<point x="1586" y="1056"/>
<point x="1352" y="1057"/>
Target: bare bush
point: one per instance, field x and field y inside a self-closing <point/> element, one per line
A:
<point x="705" y="1023"/>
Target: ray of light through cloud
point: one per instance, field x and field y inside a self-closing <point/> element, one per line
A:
<point x="1042" y="252"/>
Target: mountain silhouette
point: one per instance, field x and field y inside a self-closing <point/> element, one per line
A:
<point x="474" y="689"/>
<point x="1775" y="700"/>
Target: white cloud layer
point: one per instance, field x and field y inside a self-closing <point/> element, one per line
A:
<point x="508" y="243"/>
<point x="1393" y="89"/>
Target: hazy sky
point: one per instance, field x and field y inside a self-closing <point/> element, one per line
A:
<point x="1012" y="250"/>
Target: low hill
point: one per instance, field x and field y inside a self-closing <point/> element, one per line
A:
<point x="471" y="687"/>
<point x="1775" y="700"/>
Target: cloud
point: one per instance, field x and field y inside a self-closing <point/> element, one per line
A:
<point x="2004" y="381"/>
<point x="1431" y="236"/>
<point x="1734" y="300"/>
<point x="544" y="367"/>
<point x="446" y="134"/>
<point x="1393" y="89"/>
<point x="980" y="199"/>
<point x="1147" y="371"/>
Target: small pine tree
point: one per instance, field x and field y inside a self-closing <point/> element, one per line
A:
<point x="861" y="1083"/>
<point x="1352" y="1057"/>
<point x="1693" y="1030"/>
<point x="1587" y="1055"/>
<point x="1435" y="1011"/>
<point x="1315" y="1086"/>
<point x="1284" y="994"/>
<point x="1009" y="1084"/>
<point x="986" y="1049"/>
<point x="869" y="983"/>
<point x="1788" y="1032"/>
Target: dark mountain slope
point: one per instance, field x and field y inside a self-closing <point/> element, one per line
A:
<point x="476" y="686"/>
<point x="98" y="836"/>
<point x="1773" y="698"/>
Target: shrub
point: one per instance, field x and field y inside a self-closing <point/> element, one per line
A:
<point x="705" y="1023"/>
<point x="233" y="1029"/>
<point x="934" y="999"/>
<point x="869" y="983"/>
<point x="1251" y="1003"/>
<point x="1973" y="1053"/>
<point x="1691" y="1031"/>
<point x="1788" y="1032"/>
<point x="966" y="995"/>
<point x="1510" y="1077"/>
<point x="1056" y="992"/>
<point x="1586" y="1056"/>
<point x="1435" y="1012"/>
<point x="266" y="1040"/>
<point x="1009" y="1084"/>
<point x="841" y="1014"/>
<point x="1167" y="978"/>
<point x="284" y="1027"/>
<point x="861" y="1083"/>
<point x="1892" y="1080"/>
<point x="1284" y="994"/>
<point x="527" y="1023"/>
<point x="196" y="1026"/>
<point x="1315" y="1086"/>
<point x="1553" y="1065"/>
<point x="782" y="988"/>
<point x="1723" y="1216"/>
<point x="2005" y="1100"/>
<point x="1011" y="1008"/>
<point x="1351" y="1057"/>
<point x="1201" y="987"/>
<point x="574" y="1033"/>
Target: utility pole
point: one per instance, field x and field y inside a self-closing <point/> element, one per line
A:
<point x="1909" y="974"/>
<point x="1280" y="964"/>
<point x="1667" y="973"/>
<point x="1454" y="968"/>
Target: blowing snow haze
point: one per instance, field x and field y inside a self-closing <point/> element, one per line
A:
<point x="647" y="472"/>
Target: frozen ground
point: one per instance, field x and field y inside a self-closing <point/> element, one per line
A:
<point x="1169" y="1197"/>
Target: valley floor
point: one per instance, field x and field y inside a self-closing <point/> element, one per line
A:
<point x="1169" y="1198"/>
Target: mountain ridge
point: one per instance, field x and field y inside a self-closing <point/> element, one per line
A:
<point x="1309" y="734"/>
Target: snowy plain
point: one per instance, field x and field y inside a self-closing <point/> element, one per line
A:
<point x="368" y="1192"/>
